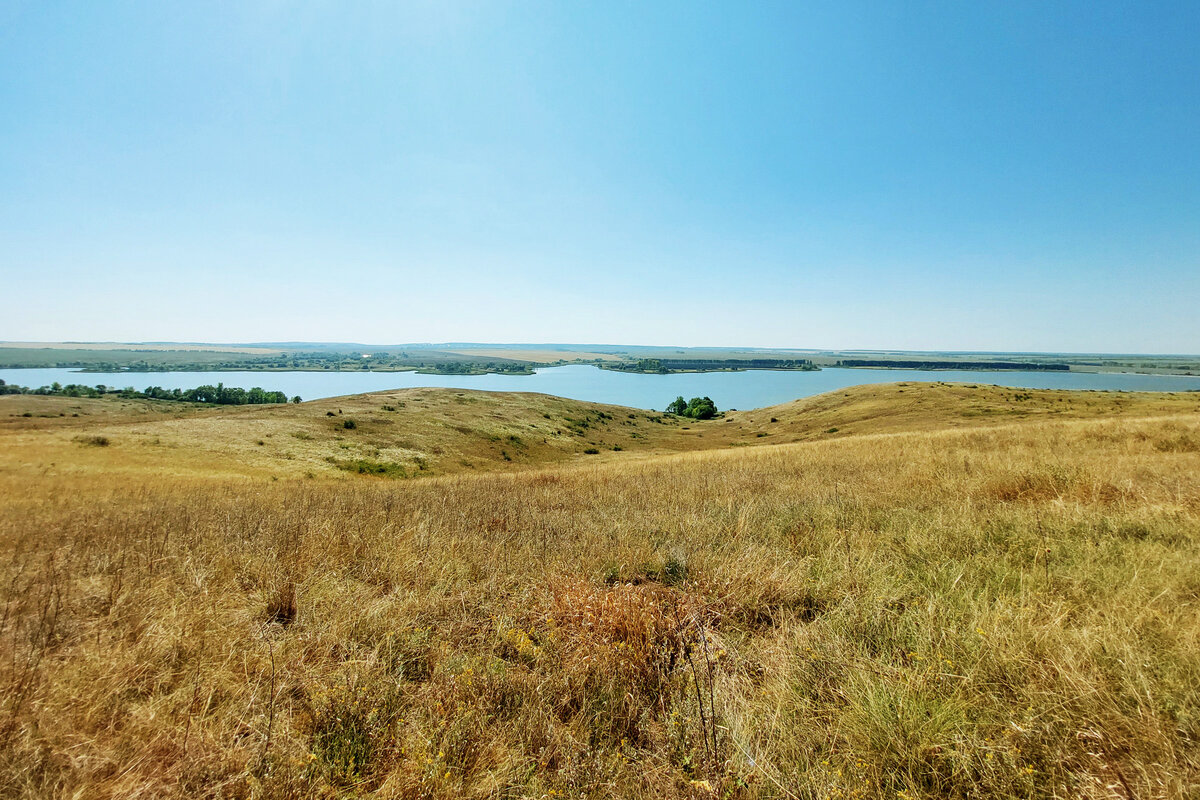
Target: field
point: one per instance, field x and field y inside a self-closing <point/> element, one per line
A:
<point x="538" y="356"/>
<point x="921" y="590"/>
<point x="462" y="358"/>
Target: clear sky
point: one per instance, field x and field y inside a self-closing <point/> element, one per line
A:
<point x="957" y="175"/>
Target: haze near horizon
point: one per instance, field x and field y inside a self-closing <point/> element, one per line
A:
<point x="992" y="177"/>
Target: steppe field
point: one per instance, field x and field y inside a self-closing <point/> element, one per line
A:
<point x="895" y="591"/>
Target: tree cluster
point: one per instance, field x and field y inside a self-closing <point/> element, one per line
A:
<point x="217" y="395"/>
<point x="696" y="408"/>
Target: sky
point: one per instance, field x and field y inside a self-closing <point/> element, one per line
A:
<point x="1000" y="176"/>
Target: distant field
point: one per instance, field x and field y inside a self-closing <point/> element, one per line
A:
<point x="115" y="346"/>
<point x="535" y="356"/>
<point x="893" y="591"/>
<point x="130" y="357"/>
<point x="478" y="359"/>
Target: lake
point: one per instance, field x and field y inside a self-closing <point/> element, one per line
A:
<point x="750" y="389"/>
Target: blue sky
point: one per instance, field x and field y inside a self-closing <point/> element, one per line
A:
<point x="989" y="176"/>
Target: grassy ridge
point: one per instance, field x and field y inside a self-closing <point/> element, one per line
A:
<point x="424" y="432"/>
<point x="939" y="606"/>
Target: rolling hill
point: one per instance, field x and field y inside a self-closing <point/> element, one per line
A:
<point x="904" y="591"/>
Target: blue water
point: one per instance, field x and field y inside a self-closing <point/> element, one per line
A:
<point x="751" y="389"/>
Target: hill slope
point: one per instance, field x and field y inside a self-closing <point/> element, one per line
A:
<point x="1001" y="610"/>
<point x="422" y="432"/>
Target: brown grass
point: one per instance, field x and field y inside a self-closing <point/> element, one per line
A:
<point x="419" y="433"/>
<point x="1001" y="610"/>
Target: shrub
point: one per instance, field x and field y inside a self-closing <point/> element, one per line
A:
<point x="349" y="424"/>
<point x="92" y="441"/>
<point x="591" y="451"/>
<point x="365" y="466"/>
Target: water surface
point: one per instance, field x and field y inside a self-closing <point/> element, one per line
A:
<point x="750" y="389"/>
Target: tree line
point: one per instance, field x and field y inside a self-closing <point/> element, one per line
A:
<point x="664" y="365"/>
<point x="1024" y="366"/>
<point x="220" y="394"/>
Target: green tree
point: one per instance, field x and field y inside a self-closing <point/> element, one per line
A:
<point x="678" y="406"/>
<point x="701" y="408"/>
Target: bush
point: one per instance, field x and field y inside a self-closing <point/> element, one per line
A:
<point x="93" y="441"/>
<point x="696" y="408"/>
<point x="349" y="425"/>
<point x="367" y="466"/>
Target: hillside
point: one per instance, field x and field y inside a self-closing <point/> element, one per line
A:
<point x="960" y="592"/>
<point x="424" y="432"/>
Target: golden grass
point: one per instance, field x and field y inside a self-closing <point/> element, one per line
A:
<point x="1002" y="610"/>
<point x="417" y="433"/>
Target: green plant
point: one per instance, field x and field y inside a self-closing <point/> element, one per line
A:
<point x="366" y="466"/>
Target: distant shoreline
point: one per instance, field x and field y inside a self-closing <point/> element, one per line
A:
<point x="957" y="367"/>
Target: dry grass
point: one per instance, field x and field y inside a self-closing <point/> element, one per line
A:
<point x="997" y="611"/>
<point x="418" y="433"/>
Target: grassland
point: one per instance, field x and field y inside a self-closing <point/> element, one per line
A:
<point x="420" y="433"/>
<point x="894" y="591"/>
<point x="535" y="356"/>
<point x="475" y="359"/>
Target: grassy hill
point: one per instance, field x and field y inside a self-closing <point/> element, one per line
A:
<point x="959" y="592"/>
<point x="414" y="433"/>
